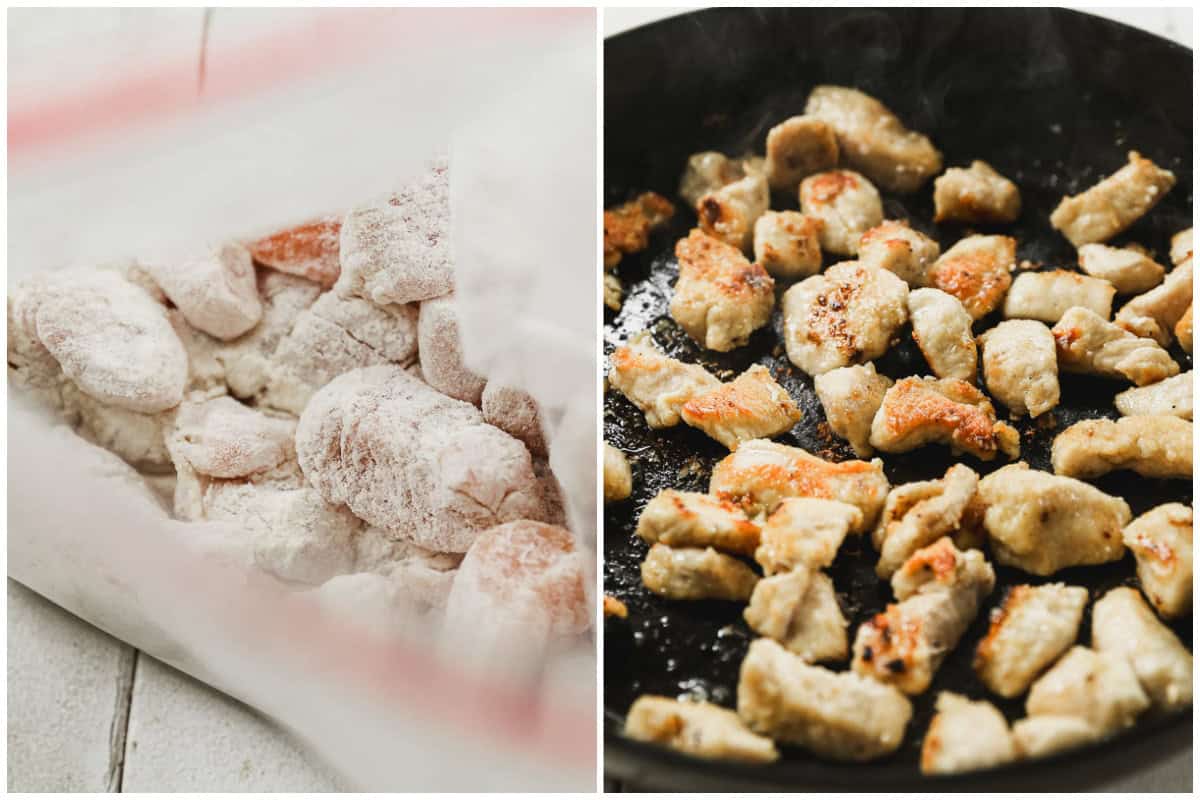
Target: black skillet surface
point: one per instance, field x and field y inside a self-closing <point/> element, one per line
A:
<point x="1051" y="98"/>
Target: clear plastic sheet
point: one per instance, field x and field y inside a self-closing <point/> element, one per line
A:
<point x="151" y="134"/>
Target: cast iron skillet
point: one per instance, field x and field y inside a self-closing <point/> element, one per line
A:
<point x="1051" y="98"/>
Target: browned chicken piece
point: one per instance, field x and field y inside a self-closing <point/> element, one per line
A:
<point x="1161" y="541"/>
<point x="720" y="297"/>
<point x="1028" y="632"/>
<point x="846" y="315"/>
<point x="939" y="588"/>
<point x="1181" y="246"/>
<point x="614" y="292"/>
<point x="965" y="735"/>
<point x="1128" y="269"/>
<point x="656" y="383"/>
<point x="1046" y="296"/>
<point x="706" y="172"/>
<point x="873" y="139"/>
<point x="1099" y="688"/>
<point x="729" y="213"/>
<point x="1088" y="343"/>
<point x="798" y="147"/>
<point x="1183" y="330"/>
<point x="1171" y="396"/>
<point x="1020" y="366"/>
<point x="978" y="271"/>
<point x="799" y="610"/>
<point x="1125" y="627"/>
<point x="787" y="244"/>
<point x="1042" y="523"/>
<point x="1113" y="204"/>
<point x="941" y="327"/>
<point x="615" y="608"/>
<point x="1156" y="313"/>
<point x="752" y="406"/>
<point x="918" y="514"/>
<point x="920" y="411"/>
<point x="760" y="474"/>
<point x="691" y="519"/>
<point x="847" y="205"/>
<point x="618" y="479"/>
<point x="703" y="730"/>
<point x="1156" y="447"/>
<point x="1037" y="737"/>
<point x="977" y="194"/>
<point x="691" y="573"/>
<point x="838" y="715"/>
<point x="805" y="532"/>
<point x="850" y="397"/>
<point x="894" y="246"/>
<point x="627" y="227"/>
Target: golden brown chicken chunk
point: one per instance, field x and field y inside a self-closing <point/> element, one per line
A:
<point x="1181" y="246"/>
<point x="1128" y="269"/>
<point x="720" y="297"/>
<point x="941" y="327"/>
<point x="1156" y="313"/>
<point x="965" y="735"/>
<point x="920" y="411"/>
<point x="1088" y="343"/>
<point x="798" y="147"/>
<point x="1161" y="541"/>
<point x="846" y="204"/>
<point x="978" y="271"/>
<point x="873" y="139"/>
<point x="799" y="610"/>
<point x="618" y="479"/>
<point x="1046" y="296"/>
<point x="1125" y="627"/>
<point x="894" y="246"/>
<point x="691" y="573"/>
<point x="729" y="213"/>
<point x="703" y="730"/>
<point x="918" y="514"/>
<point x="1029" y="631"/>
<point x="805" y="532"/>
<point x="1157" y="447"/>
<point x="627" y="227"/>
<point x="706" y="172"/>
<point x="656" y="383"/>
<point x="1020" y="366"/>
<point x="977" y="194"/>
<point x="691" y="519"/>
<point x="850" y="397"/>
<point x="1113" y="204"/>
<point x="787" y="244"/>
<point x="1171" y="396"/>
<point x="1183" y="330"/>
<point x="1100" y="688"/>
<point x="615" y="608"/>
<point x="752" y="406"/>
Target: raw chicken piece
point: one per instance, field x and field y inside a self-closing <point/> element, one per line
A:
<point x="846" y="204"/>
<point x="691" y="519"/>
<point x="978" y="271"/>
<point x="873" y="139"/>
<point x="1100" y="688"/>
<point x="656" y="383"/>
<point x="838" y="715"/>
<point x="1042" y="523"/>
<point x="941" y="327"/>
<point x="916" y="515"/>
<point x="850" y="397"/>
<point x="720" y="297"/>
<point x="627" y="227"/>
<point x="1046" y="296"/>
<point x="703" y="730"/>
<point x="1161" y="541"/>
<point x="1020" y="366"/>
<point x="1125" y="627"/>
<point x="920" y="411"/>
<point x="516" y="413"/>
<point x="1171" y="396"/>
<point x="441" y="352"/>
<point x="691" y="573"/>
<point x="798" y="147"/>
<point x="799" y="610"/>
<point x="965" y="735"/>
<point x="217" y="292"/>
<point x="1029" y="631"/>
<point x="1128" y="269"/>
<point x="752" y="406"/>
<point x="310" y="250"/>
<point x="729" y="213"/>
<point x="894" y="246"/>
<point x="804" y="532"/>
<point x="1088" y="343"/>
<point x="977" y="194"/>
<point x="1113" y="204"/>
<point x="1156" y="313"/>
<point x="847" y="315"/>
<point x="787" y="244"/>
<point x="1157" y="447"/>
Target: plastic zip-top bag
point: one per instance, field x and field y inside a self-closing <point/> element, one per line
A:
<point x="143" y="137"/>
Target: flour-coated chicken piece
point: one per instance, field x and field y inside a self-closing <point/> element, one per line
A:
<point x="693" y="573"/>
<point x="627" y="227"/>
<point x="1100" y="688"/>
<point x="1124" y="626"/>
<point x="799" y="609"/>
<point x="1171" y="396"/>
<point x="216" y="292"/>
<point x="919" y="411"/>
<point x="940" y="589"/>
<point x="440" y="346"/>
<point x="847" y="204"/>
<point x="760" y="474"/>
<point x="1156" y="313"/>
<point x="837" y="715"/>
<point x="516" y="413"/>
<point x="978" y="271"/>
<point x="706" y="172"/>
<point x="965" y="735"/>
<point x="975" y="194"/>
<point x="138" y="438"/>
<point x="1029" y="630"/>
<point x="798" y="147"/>
<point x="847" y="315"/>
<point x="1128" y="269"/>
<point x="1020" y="366"/>
<point x="850" y="397"/>
<point x="916" y="515"/>
<point x="805" y="532"/>
<point x="872" y="138"/>
<point x="1046" y="296"/>
<point x="894" y="246"/>
<point x="941" y="328"/>
<point x="787" y="244"/>
<point x="1088" y="343"/>
<point x="221" y="438"/>
<point x="752" y="406"/>
<point x="656" y="383"/>
<point x="691" y="519"/>
<point x="720" y="297"/>
<point x="1181" y="246"/>
<point x="703" y="730"/>
<point x="618" y="479"/>
<point x="1157" y="447"/>
<point x="1037" y="737"/>
<point x="1161" y="541"/>
<point x="1113" y="204"/>
<point x="1183" y="330"/>
<point x="729" y="213"/>
<point x="1041" y="523"/>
